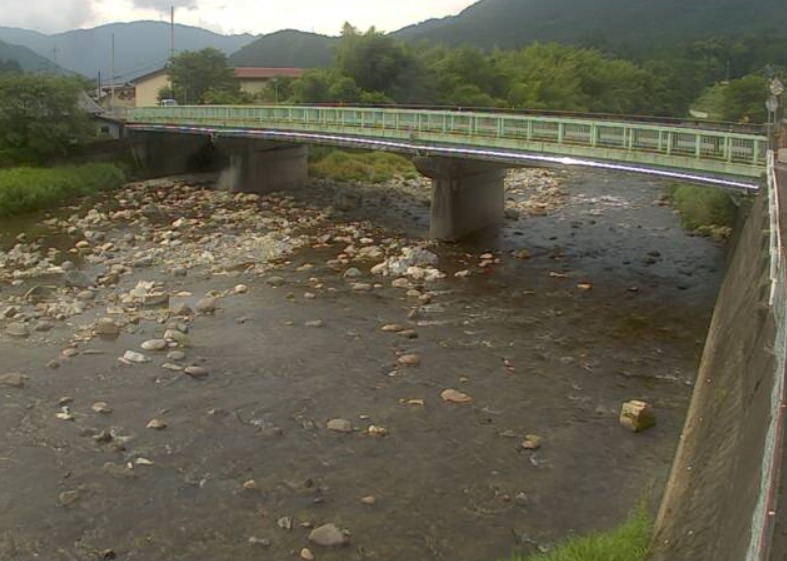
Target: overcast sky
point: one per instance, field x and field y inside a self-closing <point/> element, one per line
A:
<point x="228" y="16"/>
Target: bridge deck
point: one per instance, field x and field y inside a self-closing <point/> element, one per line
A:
<point x="494" y="136"/>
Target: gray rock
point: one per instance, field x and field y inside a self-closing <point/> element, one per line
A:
<point x="135" y="357"/>
<point x="12" y="379"/>
<point x="17" y="329"/>
<point x="155" y="345"/>
<point x="207" y="305"/>
<point x="37" y="294"/>
<point x="107" y="327"/>
<point x="155" y="299"/>
<point x="328" y="535"/>
<point x="77" y="279"/>
<point x="177" y="336"/>
<point x="196" y="371"/>
<point x="352" y="273"/>
<point x="43" y="326"/>
<point x="181" y="309"/>
<point x="340" y="425"/>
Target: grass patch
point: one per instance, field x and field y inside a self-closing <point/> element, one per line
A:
<point x="371" y="167"/>
<point x="705" y="211"/>
<point x="28" y="189"/>
<point x="627" y="542"/>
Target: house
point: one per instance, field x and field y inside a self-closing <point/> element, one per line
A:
<point x="105" y="125"/>
<point x="252" y="80"/>
<point x="119" y="95"/>
<point x="148" y="86"/>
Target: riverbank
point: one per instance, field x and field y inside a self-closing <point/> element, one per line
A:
<point x="292" y="384"/>
<point x="27" y="189"/>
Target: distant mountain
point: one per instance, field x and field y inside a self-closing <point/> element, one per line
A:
<point x="140" y="46"/>
<point x="632" y="24"/>
<point x="28" y="60"/>
<point x="288" y="48"/>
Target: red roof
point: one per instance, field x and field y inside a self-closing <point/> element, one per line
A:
<point x="254" y="73"/>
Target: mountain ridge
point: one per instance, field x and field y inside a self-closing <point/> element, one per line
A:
<point x="140" y="46"/>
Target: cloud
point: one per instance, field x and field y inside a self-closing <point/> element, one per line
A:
<point x="43" y="16"/>
<point x="164" y="5"/>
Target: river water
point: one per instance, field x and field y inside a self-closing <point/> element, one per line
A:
<point x="591" y="296"/>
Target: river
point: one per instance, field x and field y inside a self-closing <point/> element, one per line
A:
<point x="589" y="296"/>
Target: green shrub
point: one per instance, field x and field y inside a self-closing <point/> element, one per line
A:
<point x="29" y="189"/>
<point x="372" y="167"/>
<point x="703" y="210"/>
<point x="628" y="542"/>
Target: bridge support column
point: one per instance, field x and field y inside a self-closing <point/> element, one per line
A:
<point x="161" y="153"/>
<point x="262" y="167"/>
<point x="467" y="195"/>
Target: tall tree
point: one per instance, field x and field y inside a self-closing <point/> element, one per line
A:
<point x="744" y="100"/>
<point x="40" y="117"/>
<point x="376" y="62"/>
<point x="194" y="73"/>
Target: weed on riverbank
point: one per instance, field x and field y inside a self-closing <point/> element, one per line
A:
<point x="372" y="167"/>
<point x="705" y="211"/>
<point x="627" y="542"/>
<point x="29" y="189"/>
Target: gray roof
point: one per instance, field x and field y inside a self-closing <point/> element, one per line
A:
<point x="87" y="105"/>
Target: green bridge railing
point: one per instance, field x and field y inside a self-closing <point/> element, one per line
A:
<point x="671" y="147"/>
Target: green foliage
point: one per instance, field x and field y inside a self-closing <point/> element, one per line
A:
<point x="376" y="62"/>
<point x="628" y="542"/>
<point x="558" y="77"/>
<point x="744" y="100"/>
<point x="313" y="87"/>
<point x="195" y="73"/>
<point x="704" y="210"/>
<point x="374" y="167"/>
<point x="39" y="117"/>
<point x="29" y="189"/>
<point x="216" y="96"/>
<point x="373" y="68"/>
<point x="9" y="66"/>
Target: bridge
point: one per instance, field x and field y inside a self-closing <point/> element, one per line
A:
<point x="465" y="153"/>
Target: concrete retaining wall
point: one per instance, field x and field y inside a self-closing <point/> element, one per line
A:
<point x="713" y="506"/>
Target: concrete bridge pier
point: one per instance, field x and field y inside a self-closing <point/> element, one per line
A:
<point x="257" y="166"/>
<point x="161" y="153"/>
<point x="467" y="196"/>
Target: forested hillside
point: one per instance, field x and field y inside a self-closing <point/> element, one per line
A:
<point x="632" y="26"/>
<point x="25" y="58"/>
<point x="288" y="48"/>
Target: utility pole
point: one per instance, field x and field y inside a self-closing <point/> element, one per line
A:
<point x="98" y="88"/>
<point x="112" y="76"/>
<point x="171" y="47"/>
<point x="171" y="32"/>
<point x="55" y="50"/>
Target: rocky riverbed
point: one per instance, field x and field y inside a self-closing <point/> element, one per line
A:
<point x="187" y="373"/>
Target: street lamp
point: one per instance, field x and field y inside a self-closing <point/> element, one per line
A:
<point x="772" y="105"/>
